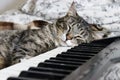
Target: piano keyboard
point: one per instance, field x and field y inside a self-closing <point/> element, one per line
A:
<point x="57" y="68"/>
<point x="103" y="66"/>
<point x="17" y="68"/>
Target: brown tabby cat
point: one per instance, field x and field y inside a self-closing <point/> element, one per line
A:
<point x="69" y="30"/>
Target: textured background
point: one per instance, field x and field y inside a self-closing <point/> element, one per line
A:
<point x="104" y="12"/>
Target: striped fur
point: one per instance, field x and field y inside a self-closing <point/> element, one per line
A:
<point x="23" y="44"/>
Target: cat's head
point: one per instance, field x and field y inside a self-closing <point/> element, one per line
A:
<point x="73" y="28"/>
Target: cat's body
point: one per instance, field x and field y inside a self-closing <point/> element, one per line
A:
<point x="19" y="44"/>
<point x="69" y="30"/>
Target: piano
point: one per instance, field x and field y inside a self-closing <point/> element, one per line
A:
<point x="87" y="61"/>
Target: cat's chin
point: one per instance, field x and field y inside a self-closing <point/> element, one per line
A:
<point x="70" y="43"/>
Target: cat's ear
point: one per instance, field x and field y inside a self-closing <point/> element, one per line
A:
<point x="72" y="10"/>
<point x="96" y="27"/>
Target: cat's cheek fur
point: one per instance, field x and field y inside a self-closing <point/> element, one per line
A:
<point x="71" y="43"/>
<point x="35" y="27"/>
<point x="63" y="37"/>
<point x="98" y="35"/>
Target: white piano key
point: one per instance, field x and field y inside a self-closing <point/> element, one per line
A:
<point x="15" y="70"/>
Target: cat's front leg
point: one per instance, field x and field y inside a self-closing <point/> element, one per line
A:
<point x="25" y="58"/>
<point x="21" y="59"/>
<point x="2" y="62"/>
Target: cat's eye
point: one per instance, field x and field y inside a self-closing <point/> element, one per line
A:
<point x="61" y="20"/>
<point x="77" y="37"/>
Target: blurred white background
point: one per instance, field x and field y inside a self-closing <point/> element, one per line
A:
<point x="10" y="4"/>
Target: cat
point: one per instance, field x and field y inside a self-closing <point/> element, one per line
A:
<point x="69" y="30"/>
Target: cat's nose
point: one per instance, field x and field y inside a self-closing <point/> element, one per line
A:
<point x="69" y="37"/>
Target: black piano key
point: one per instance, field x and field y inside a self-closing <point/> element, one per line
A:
<point x="93" y="45"/>
<point x="68" y="59"/>
<point x="44" y="69"/>
<point x="65" y="62"/>
<point x="58" y="66"/>
<point x="23" y="78"/>
<point x="78" y="53"/>
<point x="74" y="56"/>
<point x="105" y="41"/>
<point x="86" y="47"/>
<point x="41" y="75"/>
<point x="82" y="51"/>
